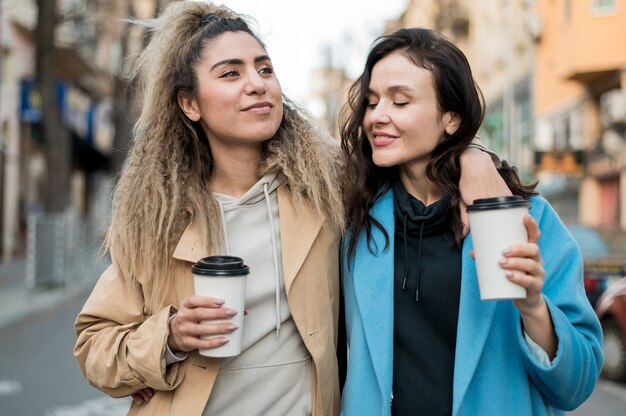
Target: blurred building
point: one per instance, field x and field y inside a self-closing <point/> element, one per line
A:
<point x="580" y="103"/>
<point x="92" y="45"/>
<point x="329" y="88"/>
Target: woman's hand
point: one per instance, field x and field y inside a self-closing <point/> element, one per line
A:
<point x="142" y="396"/>
<point x="479" y="179"/>
<point x="524" y="267"/>
<point x="186" y="331"/>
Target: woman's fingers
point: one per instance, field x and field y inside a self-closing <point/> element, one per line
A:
<point x="191" y="342"/>
<point x="142" y="396"/>
<point x="201" y="302"/>
<point x="201" y="317"/>
<point x="530" y="264"/>
<point x="138" y="399"/>
<point x="530" y="282"/>
<point x="205" y="329"/>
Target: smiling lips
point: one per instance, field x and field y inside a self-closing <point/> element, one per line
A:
<point x="262" y="107"/>
<point x="380" y="138"/>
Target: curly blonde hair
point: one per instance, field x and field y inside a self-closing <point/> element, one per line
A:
<point x="165" y="180"/>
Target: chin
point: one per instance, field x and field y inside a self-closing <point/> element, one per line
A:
<point x="267" y="131"/>
<point x="384" y="162"/>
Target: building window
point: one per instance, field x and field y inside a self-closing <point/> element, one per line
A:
<point x="603" y="7"/>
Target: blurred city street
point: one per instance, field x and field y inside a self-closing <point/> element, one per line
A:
<point x="553" y="76"/>
<point x="38" y="373"/>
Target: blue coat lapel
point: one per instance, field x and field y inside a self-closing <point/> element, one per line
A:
<point x="373" y="285"/>
<point x="475" y="318"/>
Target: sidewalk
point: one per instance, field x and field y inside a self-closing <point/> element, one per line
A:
<point x="18" y="302"/>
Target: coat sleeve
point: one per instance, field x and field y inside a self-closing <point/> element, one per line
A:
<point x="119" y="349"/>
<point x="571" y="376"/>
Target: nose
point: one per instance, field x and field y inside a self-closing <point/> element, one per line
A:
<point x="379" y="114"/>
<point x="255" y="84"/>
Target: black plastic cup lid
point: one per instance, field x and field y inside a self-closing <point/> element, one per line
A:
<point x="220" y="266"/>
<point x="500" y="202"/>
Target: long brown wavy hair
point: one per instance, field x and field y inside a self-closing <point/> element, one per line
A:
<point x="165" y="181"/>
<point x="456" y="92"/>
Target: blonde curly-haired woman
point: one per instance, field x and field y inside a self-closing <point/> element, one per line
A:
<point x="221" y="163"/>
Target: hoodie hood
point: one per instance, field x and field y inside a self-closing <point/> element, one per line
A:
<point x="418" y="221"/>
<point x="255" y="195"/>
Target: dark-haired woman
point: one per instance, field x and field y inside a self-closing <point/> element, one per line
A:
<point x="421" y="342"/>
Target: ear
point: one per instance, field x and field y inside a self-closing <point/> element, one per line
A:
<point x="189" y="105"/>
<point x="451" y="122"/>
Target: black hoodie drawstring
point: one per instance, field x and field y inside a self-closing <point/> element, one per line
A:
<point x="419" y="264"/>
<point x="406" y="259"/>
<point x="406" y="256"/>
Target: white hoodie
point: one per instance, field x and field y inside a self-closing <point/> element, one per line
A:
<point x="272" y="375"/>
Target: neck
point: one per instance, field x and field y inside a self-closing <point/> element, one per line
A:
<point x="234" y="171"/>
<point x="418" y="185"/>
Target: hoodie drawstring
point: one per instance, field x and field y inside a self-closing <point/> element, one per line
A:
<point x="275" y="251"/>
<point x="419" y="264"/>
<point x="224" y="230"/>
<point x="406" y="255"/>
<point x="406" y="259"/>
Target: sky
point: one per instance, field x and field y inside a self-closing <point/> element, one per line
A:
<point x="297" y="33"/>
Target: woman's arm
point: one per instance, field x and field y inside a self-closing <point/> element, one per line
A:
<point x="524" y="267"/>
<point x="569" y="378"/>
<point x="119" y="350"/>
<point x="479" y="179"/>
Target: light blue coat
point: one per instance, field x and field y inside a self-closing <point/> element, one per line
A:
<point x="495" y="373"/>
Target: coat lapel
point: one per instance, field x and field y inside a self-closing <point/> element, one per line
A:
<point x="373" y="285"/>
<point x="475" y="318"/>
<point x="190" y="247"/>
<point x="299" y="228"/>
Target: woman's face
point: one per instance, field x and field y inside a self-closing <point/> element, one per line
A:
<point x="239" y="99"/>
<point x="403" y="123"/>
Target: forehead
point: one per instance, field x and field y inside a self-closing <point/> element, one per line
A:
<point x="396" y="69"/>
<point x="231" y="45"/>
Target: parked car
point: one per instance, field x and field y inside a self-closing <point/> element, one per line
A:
<point x="611" y="311"/>
<point x="601" y="267"/>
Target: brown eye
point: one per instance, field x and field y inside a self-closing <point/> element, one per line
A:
<point x="229" y="74"/>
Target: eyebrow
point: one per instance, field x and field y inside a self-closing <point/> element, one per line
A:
<point x="237" y="61"/>
<point x="395" y="88"/>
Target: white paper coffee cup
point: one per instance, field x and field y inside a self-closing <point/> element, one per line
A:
<point x="495" y="224"/>
<point x="223" y="277"/>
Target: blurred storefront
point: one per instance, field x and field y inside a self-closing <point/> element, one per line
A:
<point x="95" y="49"/>
<point x="23" y="167"/>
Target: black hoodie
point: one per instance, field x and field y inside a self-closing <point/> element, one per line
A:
<point x="427" y="274"/>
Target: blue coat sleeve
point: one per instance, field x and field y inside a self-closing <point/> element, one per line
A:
<point x="571" y="376"/>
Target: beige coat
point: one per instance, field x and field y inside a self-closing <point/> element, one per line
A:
<point x="121" y="350"/>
